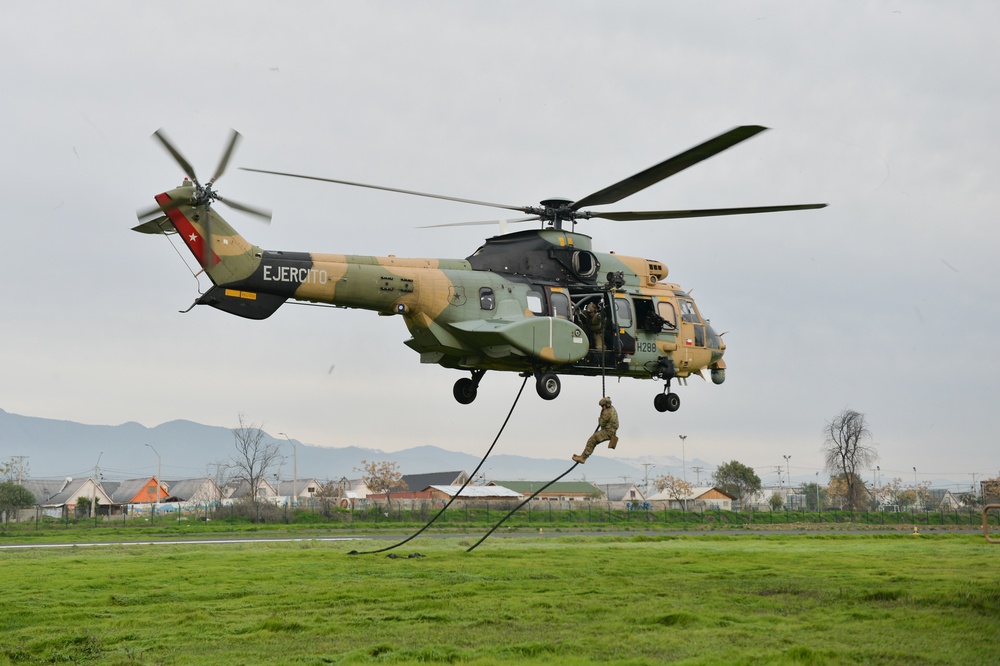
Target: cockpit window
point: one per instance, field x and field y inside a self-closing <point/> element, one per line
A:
<point x="688" y="313"/>
<point x="536" y="302"/>
<point x="487" y="300"/>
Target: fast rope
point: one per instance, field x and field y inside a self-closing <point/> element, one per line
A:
<point x="514" y="510"/>
<point x="455" y="496"/>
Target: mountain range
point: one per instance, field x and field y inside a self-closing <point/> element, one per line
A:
<point x="51" y="448"/>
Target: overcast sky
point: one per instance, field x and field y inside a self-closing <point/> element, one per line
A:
<point x="885" y="302"/>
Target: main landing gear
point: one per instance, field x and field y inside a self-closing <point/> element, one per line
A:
<point x="467" y="388"/>
<point x="667" y="401"/>
<point x="547" y="385"/>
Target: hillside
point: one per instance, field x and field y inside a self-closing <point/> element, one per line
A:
<point x="56" y="449"/>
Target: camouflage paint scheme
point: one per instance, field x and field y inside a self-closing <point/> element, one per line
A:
<point x="514" y="305"/>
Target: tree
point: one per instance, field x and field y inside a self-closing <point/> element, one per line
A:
<point x="14" y="469"/>
<point x="382" y="477"/>
<point x="991" y="490"/>
<point x="737" y="479"/>
<point x="776" y="501"/>
<point x="254" y="457"/>
<point x="847" y="449"/>
<point x="14" y="497"/>
<point x="815" y="496"/>
<point x="678" y="489"/>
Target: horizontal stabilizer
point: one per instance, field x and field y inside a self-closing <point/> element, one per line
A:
<point x="161" y="225"/>
<point x="247" y="304"/>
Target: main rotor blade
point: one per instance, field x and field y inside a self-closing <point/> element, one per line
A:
<point x="667" y="168"/>
<point x="224" y="161"/>
<point x="157" y="210"/>
<point x="482" y="223"/>
<point x="259" y="212"/>
<point x="705" y="212"/>
<point x="522" y="209"/>
<point x="161" y="136"/>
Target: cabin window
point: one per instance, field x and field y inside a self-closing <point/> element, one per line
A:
<point x="536" y="302"/>
<point x="666" y="310"/>
<point x="623" y="312"/>
<point x="560" y="305"/>
<point x="487" y="300"/>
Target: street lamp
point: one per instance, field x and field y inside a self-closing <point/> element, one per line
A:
<point x="295" y="470"/>
<point x="159" y="465"/>
<point x="788" y="469"/>
<point x="684" y="458"/>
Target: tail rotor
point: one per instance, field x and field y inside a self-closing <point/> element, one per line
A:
<point x="203" y="194"/>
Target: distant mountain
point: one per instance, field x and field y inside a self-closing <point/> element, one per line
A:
<point x="57" y="449"/>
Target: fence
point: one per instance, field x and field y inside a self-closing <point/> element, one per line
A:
<point x="536" y="513"/>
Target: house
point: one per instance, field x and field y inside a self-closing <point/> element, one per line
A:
<point x="58" y="497"/>
<point x="416" y="482"/>
<point x="136" y="491"/>
<point x="302" y="489"/>
<point x="941" y="500"/>
<point x="352" y="489"/>
<point x="199" y="491"/>
<point x="240" y="489"/>
<point x="622" y="492"/>
<point x="709" y="497"/>
<point x="560" y="491"/>
<point x="476" y="493"/>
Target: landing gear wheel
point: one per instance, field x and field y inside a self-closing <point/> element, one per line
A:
<point x="465" y="390"/>
<point x="548" y="385"/>
<point x="667" y="402"/>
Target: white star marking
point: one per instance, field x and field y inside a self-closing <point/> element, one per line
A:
<point x="193" y="237"/>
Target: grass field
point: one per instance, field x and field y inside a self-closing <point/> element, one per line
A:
<point x="707" y="599"/>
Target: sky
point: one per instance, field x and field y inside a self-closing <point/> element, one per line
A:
<point x="885" y="302"/>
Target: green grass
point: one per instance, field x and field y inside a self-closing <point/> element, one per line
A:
<point x="708" y="599"/>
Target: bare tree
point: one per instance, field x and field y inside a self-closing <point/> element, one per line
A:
<point x="254" y="456"/>
<point x="678" y="489"/>
<point x="382" y="477"/>
<point x="848" y="449"/>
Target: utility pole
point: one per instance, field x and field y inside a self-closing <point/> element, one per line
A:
<point x="697" y="470"/>
<point x="93" y="494"/>
<point x="159" y="467"/>
<point x="645" y="483"/>
<point x="684" y="457"/>
<point x="295" y="471"/>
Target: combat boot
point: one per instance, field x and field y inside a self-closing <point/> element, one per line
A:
<point x="580" y="459"/>
<point x="613" y="442"/>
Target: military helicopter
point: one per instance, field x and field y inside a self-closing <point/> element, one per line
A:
<point x="541" y="302"/>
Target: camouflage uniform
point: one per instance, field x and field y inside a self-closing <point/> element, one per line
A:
<point x="595" y="327"/>
<point x="607" y="427"/>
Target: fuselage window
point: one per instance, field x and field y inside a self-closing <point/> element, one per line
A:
<point x="560" y="305"/>
<point x="486" y="299"/>
<point x="623" y="312"/>
<point x="536" y="302"/>
<point x="666" y="310"/>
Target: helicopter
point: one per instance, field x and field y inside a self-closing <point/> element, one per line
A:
<point x="539" y="302"/>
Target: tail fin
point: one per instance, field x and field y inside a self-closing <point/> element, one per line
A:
<point x="230" y="258"/>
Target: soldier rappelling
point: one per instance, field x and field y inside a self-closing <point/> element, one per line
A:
<point x="607" y="427"/>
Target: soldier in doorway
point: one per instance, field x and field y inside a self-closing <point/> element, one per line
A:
<point x="607" y="427"/>
<point x="594" y="318"/>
